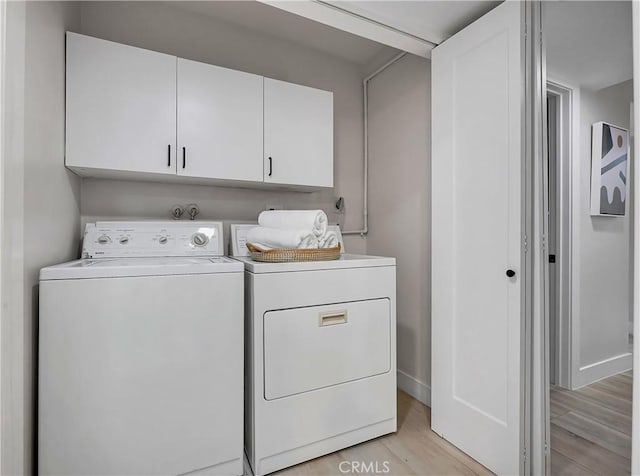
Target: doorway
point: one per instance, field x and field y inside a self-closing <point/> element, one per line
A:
<point x="561" y="110"/>
<point x="590" y="424"/>
<point x="590" y="253"/>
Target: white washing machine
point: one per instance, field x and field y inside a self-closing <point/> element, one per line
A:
<point x="141" y="354"/>
<point x="320" y="368"/>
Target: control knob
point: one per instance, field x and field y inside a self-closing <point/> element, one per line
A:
<point x="199" y="239"/>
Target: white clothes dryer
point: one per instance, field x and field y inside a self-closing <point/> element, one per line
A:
<point x="320" y="365"/>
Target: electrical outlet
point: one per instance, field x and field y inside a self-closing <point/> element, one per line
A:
<point x="271" y="206"/>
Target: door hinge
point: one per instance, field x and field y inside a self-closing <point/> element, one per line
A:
<point x="524" y="454"/>
<point x="525" y="244"/>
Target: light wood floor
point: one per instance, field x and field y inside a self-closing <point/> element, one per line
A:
<point x="590" y="434"/>
<point x="414" y="449"/>
<point x="591" y="428"/>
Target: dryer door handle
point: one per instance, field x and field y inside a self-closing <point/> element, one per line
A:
<point x="333" y="318"/>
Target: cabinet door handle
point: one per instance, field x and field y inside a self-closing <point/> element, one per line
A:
<point x="169" y="155"/>
<point x="270" y="166"/>
<point x="184" y="157"/>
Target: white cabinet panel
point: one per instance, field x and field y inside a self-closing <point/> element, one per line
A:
<point x="219" y="122"/>
<point x="298" y="134"/>
<point x="121" y="107"/>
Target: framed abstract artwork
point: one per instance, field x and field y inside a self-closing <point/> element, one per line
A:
<point x="609" y="169"/>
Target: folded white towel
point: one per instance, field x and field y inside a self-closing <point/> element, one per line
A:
<point x="328" y="240"/>
<point x="312" y="220"/>
<point x="282" y="239"/>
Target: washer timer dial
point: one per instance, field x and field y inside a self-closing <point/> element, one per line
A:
<point x="199" y="239"/>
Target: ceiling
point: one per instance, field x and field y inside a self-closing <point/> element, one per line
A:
<point x="430" y="20"/>
<point x="434" y="21"/>
<point x="589" y="43"/>
<point x="277" y="23"/>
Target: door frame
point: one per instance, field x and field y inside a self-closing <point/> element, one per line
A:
<point x="635" y="439"/>
<point x="3" y="42"/>
<point x="568" y="99"/>
<point x="536" y="313"/>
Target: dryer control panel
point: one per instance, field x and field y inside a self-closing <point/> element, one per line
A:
<point x="122" y="239"/>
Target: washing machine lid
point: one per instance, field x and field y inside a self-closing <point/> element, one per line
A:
<point x="346" y="261"/>
<point x="131" y="267"/>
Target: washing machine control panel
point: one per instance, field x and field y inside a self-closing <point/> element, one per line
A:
<point x="159" y="238"/>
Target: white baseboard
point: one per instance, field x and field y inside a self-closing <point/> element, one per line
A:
<point x="417" y="389"/>
<point x="591" y="373"/>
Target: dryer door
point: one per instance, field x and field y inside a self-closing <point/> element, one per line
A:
<point x="314" y="347"/>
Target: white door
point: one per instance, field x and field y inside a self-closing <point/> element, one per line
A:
<point x="477" y="247"/>
<point x="298" y="134"/>
<point x="219" y="122"/>
<point x="121" y="107"/>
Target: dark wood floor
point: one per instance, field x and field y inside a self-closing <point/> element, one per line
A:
<point x="591" y="428"/>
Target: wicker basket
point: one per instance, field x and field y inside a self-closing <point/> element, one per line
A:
<point x="287" y="256"/>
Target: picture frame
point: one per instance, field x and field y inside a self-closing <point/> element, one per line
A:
<point x="609" y="169"/>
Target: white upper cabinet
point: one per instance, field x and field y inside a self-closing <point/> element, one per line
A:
<point x="219" y="122"/>
<point x="121" y="107"/>
<point x="298" y="134"/>
<point x="137" y="114"/>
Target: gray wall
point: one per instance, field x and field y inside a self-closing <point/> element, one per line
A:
<point x="170" y="30"/>
<point x="601" y="248"/>
<point x="400" y="206"/>
<point x="12" y="266"/>
<point x="47" y="197"/>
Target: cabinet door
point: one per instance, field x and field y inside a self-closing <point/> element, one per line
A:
<point x="219" y="122"/>
<point x="121" y="107"/>
<point x="298" y="134"/>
